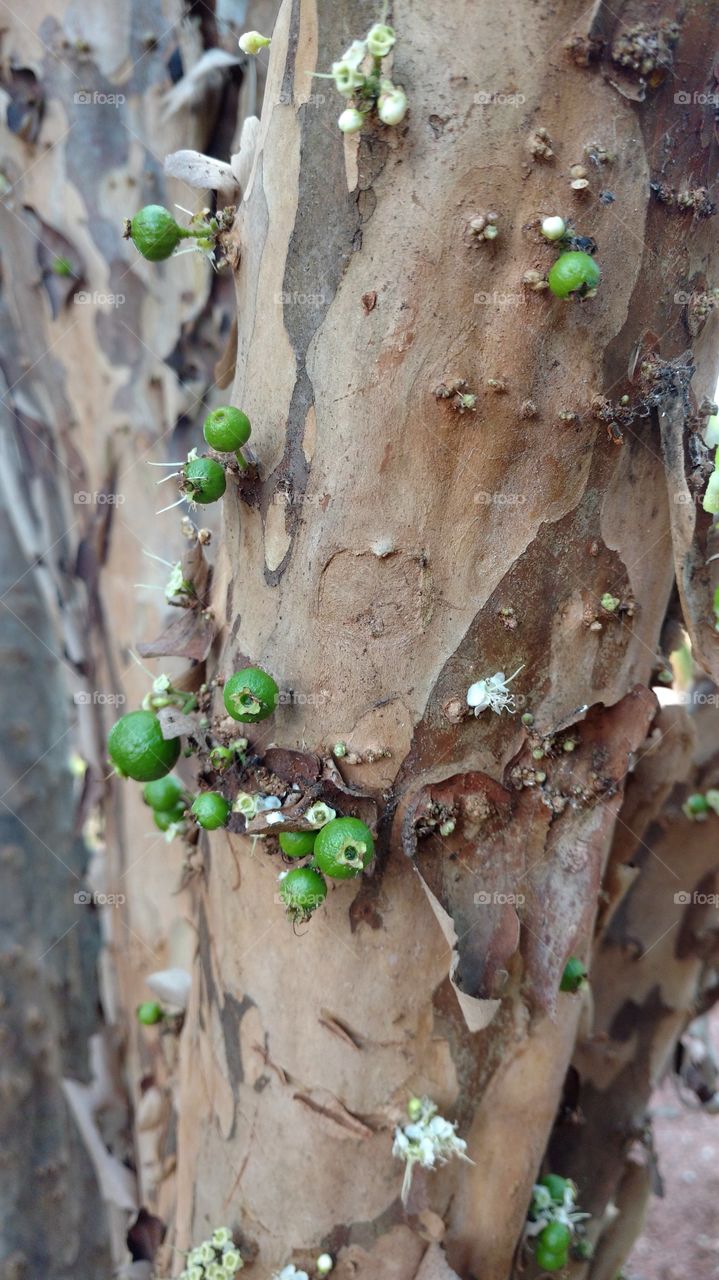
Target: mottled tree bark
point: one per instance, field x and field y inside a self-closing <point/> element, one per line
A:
<point x="390" y="552"/>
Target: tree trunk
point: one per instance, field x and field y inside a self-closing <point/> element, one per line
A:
<point x="388" y="552"/>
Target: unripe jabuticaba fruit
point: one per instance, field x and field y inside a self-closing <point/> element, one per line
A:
<point x="154" y="232"/>
<point x="226" y="429"/>
<point x="203" y="480"/>
<point x="573" y="272"/>
<point x="137" y="748"/>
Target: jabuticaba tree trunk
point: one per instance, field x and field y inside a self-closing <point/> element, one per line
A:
<point x="395" y="551"/>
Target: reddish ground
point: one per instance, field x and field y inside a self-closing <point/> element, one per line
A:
<point x="681" y="1238"/>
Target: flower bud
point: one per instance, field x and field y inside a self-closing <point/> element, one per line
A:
<point x="380" y="39"/>
<point x="351" y="120"/>
<point x="252" y="41"/>
<point x="392" y="104"/>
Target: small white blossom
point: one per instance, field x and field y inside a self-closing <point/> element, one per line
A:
<point x="544" y="1209"/>
<point x="380" y="39"/>
<point x="553" y="228"/>
<point x="350" y="120"/>
<point x="319" y="814"/>
<point x="214" y="1271"/>
<point x="492" y="693"/>
<point x="391" y="104"/>
<point x="221" y="1236"/>
<point x="427" y="1140"/>
<point x="252" y="41"/>
<point x="231" y="1262"/>
<point x="272" y="818"/>
<point x="177" y="583"/>
<point x="245" y="804"/>
<point x="347" y="78"/>
<point x="324" y="1264"/>
<point x="290" y="1273"/>
<point x="356" y="54"/>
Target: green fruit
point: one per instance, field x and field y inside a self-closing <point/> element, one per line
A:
<point x="555" y="1237"/>
<point x="574" y="976"/>
<point x="297" y="844"/>
<point x="556" y="1186"/>
<point x="250" y="695"/>
<point x="154" y="232"/>
<point x="343" y="848"/>
<point x="573" y="272"/>
<point x="548" y="1260"/>
<point x="211" y="810"/>
<point x="226" y="429"/>
<point x="149" y="1013"/>
<point x="302" y="892"/>
<point x="203" y="480"/>
<point x="166" y="818"/>
<point x="695" y="804"/>
<point x="137" y="748"/>
<point x="164" y="793"/>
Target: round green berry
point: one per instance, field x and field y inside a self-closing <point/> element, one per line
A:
<point x="211" y="810"/>
<point x="149" y="1012"/>
<point x="573" y="272"/>
<point x="695" y="804"/>
<point x="166" y="818"/>
<point x="555" y="1237"/>
<point x="556" y="1186"/>
<point x="302" y="891"/>
<point x="549" y="1259"/>
<point x="574" y="976"/>
<point x="203" y="480"/>
<point x="297" y="844"/>
<point x="137" y="748"/>
<point x="164" y="793"/>
<point x="343" y="848"/>
<point x="226" y="429"/>
<point x="250" y="695"/>
<point x="154" y="232"/>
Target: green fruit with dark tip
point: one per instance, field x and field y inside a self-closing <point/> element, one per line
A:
<point x="154" y="232"/>
<point x="343" y="848"/>
<point x="137" y="748"/>
<point x="203" y="480"/>
<point x="573" y="272"/>
<point x="250" y="695"/>
<point x="574" y="976"/>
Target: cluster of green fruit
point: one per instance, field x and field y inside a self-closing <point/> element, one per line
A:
<point x="341" y="850"/>
<point x="552" y="1244"/>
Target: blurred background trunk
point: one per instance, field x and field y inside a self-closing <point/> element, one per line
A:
<point x="392" y="552"/>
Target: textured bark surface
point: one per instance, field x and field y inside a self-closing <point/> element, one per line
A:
<point x="388" y="553"/>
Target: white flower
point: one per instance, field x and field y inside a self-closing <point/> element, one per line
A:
<point x="220" y="1237"/>
<point x="319" y="814"/>
<point x="380" y="39"/>
<point x="427" y="1140"/>
<point x="214" y="1271"/>
<point x="245" y="804"/>
<point x="290" y="1273"/>
<point x="324" y="1264"/>
<point x="492" y="693"/>
<point x="356" y="54"/>
<point x="172" y="986"/>
<point x="553" y="228"/>
<point x="206" y="1252"/>
<point x="176" y="584"/>
<point x="391" y="104"/>
<point x="252" y="41"/>
<point x="544" y="1209"/>
<point x="268" y="802"/>
<point x="350" y="120"/>
<point x="231" y="1262"/>
<point x="347" y="78"/>
<point x="272" y="818"/>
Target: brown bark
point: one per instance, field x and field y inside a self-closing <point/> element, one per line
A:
<point x="389" y="553"/>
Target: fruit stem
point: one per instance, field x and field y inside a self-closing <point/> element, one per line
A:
<point x="242" y="462"/>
